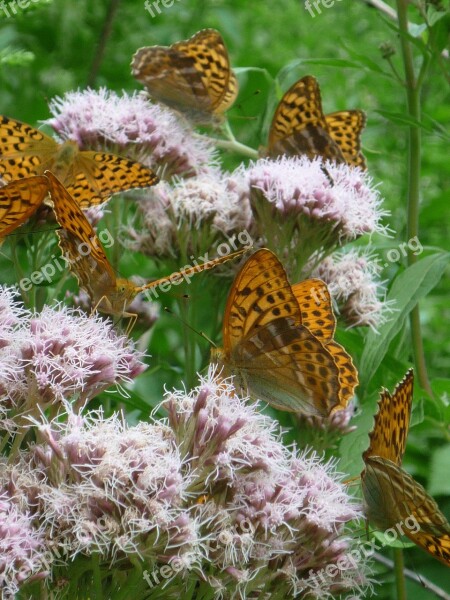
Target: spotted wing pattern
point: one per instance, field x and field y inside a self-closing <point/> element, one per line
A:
<point x="90" y="177"/>
<point x="388" y="437"/>
<point x="345" y="128"/>
<point x="299" y="126"/>
<point x="394" y="498"/>
<point x="192" y="76"/>
<point x="316" y="310"/>
<point x="272" y="354"/>
<point x="19" y="200"/>
<point x="391" y="495"/>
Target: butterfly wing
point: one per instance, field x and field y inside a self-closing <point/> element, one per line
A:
<point x="276" y="358"/>
<point x="24" y="150"/>
<point x="299" y="125"/>
<point x="394" y="498"/>
<point x="19" y="200"/>
<point x="192" y="75"/>
<point x="314" y="302"/>
<point x="80" y="245"/>
<point x="388" y="437"/>
<point x="95" y="176"/>
<point x="345" y="128"/>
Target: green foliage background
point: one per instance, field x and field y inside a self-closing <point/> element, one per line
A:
<point x="50" y="48"/>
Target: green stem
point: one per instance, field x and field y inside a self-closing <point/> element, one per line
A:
<point x="235" y="146"/>
<point x="96" y="577"/>
<point x="399" y="567"/>
<point x="414" y="164"/>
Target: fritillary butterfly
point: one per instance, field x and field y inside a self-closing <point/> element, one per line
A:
<point x="87" y="259"/>
<point x="277" y="347"/>
<point x="391" y="495"/>
<point x="192" y="76"/>
<point x="90" y="177"/>
<point x="300" y="127"/>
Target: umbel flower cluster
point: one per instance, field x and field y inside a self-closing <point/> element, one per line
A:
<point x="209" y="500"/>
<point x="58" y="354"/>
<point x="302" y="210"/>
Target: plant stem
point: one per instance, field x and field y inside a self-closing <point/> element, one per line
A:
<point x="399" y="567"/>
<point x="414" y="164"/>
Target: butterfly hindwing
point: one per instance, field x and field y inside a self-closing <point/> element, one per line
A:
<point x="394" y="499"/>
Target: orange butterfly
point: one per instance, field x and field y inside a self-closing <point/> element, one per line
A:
<point x="300" y="127"/>
<point x="89" y="263"/>
<point x="192" y="76"/>
<point x="90" y="177"/>
<point x="393" y="498"/>
<point x="277" y="341"/>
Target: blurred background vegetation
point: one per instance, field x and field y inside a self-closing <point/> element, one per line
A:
<point x="56" y="46"/>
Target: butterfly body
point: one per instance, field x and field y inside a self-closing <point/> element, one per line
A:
<point x="271" y="353"/>
<point x="192" y="76"/>
<point x="299" y="126"/>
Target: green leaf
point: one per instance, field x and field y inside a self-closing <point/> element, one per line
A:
<point x="408" y="288"/>
<point x="439" y="483"/>
<point x="16" y="58"/>
<point x="402" y="119"/>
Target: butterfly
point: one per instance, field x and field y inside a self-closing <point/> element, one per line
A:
<point x="90" y="177"/>
<point x="300" y="127"/>
<point x="87" y="259"/>
<point x="278" y="343"/>
<point x="192" y="76"/>
<point x="393" y="498"/>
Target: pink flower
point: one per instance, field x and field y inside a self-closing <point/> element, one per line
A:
<point x="60" y="354"/>
<point x="132" y="126"/>
<point x="331" y="193"/>
<point x="208" y="205"/>
<point x="305" y="208"/>
<point x="22" y="547"/>
<point x="268" y="517"/>
<point x="352" y="278"/>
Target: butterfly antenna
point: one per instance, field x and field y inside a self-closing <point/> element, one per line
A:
<point x="200" y="333"/>
<point x="175" y="277"/>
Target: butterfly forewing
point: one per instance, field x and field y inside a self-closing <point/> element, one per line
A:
<point x="260" y="293"/>
<point x="23" y="150"/>
<point x="388" y="437"/>
<point x="299" y="125"/>
<point x="314" y="302"/>
<point x="79" y="244"/>
<point x="19" y="200"/>
<point x="97" y="175"/>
